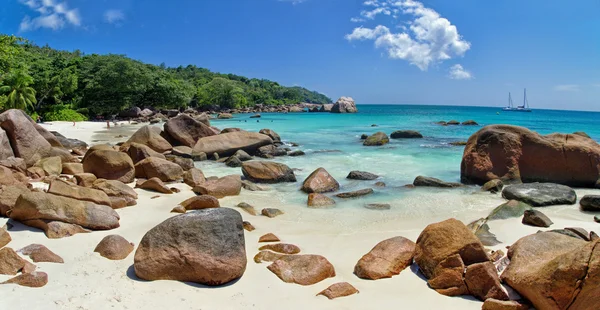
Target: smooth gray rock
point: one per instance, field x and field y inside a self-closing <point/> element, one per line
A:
<point x="354" y="194"/>
<point x="361" y="175"/>
<point x="513" y="208"/>
<point x="433" y="182"/>
<point x="406" y="134"/>
<point x="536" y="218"/>
<point x="590" y="203"/>
<point x="541" y="194"/>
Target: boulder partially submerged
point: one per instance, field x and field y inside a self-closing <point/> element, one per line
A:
<point x="228" y="143"/>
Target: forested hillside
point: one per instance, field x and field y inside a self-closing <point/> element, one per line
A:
<point x="62" y="85"/>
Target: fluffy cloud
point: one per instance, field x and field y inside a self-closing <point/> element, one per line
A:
<point x="114" y="16"/>
<point x="457" y="72"/>
<point x="567" y="87"/>
<point x="428" y="39"/>
<point x="52" y="15"/>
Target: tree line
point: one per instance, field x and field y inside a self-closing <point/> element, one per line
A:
<point x="63" y="85"/>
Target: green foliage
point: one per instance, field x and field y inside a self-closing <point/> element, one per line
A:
<point x="64" y="113"/>
<point x="70" y="85"/>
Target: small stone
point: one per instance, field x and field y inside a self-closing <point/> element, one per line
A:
<point x="155" y="184"/>
<point x="495" y="304"/>
<point x="590" y="203"/>
<point x="114" y="247"/>
<point x="339" y="290"/>
<point x="271" y="212"/>
<point x="40" y="254"/>
<point x="354" y="194"/>
<point x="316" y="200"/>
<point x="493" y="186"/>
<point x="378" y="206"/>
<point x="284" y="248"/>
<point x="179" y="209"/>
<point x="597" y="219"/>
<point x="536" y="218"/>
<point x="266" y="256"/>
<point x="247" y="185"/>
<point x="380" y="184"/>
<point x="302" y="269"/>
<point x="269" y="238"/>
<point x="361" y="175"/>
<point x="200" y="202"/>
<point x="33" y="279"/>
<point x="10" y="262"/>
<point x="296" y="153"/>
<point x="247" y="226"/>
<point x="248" y="208"/>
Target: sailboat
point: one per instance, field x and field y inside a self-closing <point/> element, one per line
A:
<point x="520" y="108"/>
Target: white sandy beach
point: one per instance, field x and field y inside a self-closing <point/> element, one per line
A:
<point x="88" y="281"/>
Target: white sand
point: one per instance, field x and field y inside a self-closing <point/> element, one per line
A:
<point x="88" y="281"/>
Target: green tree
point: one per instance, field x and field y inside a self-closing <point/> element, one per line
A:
<point x="19" y="94"/>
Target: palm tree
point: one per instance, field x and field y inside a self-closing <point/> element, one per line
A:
<point x="20" y="95"/>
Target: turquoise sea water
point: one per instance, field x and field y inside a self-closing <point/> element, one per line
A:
<point x="333" y="141"/>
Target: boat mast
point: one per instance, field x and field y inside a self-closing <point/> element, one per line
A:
<point x="525" y="103"/>
<point x="510" y="104"/>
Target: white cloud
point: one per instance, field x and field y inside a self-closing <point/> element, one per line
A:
<point x="429" y="39"/>
<point x="52" y="15"/>
<point x="114" y="16"/>
<point x="457" y="72"/>
<point x="567" y="87"/>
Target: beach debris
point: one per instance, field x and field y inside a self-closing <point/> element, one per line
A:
<point x="316" y="200"/>
<point x="284" y="248"/>
<point x="557" y="264"/>
<point x="114" y="247"/>
<point x="200" y="202"/>
<point x="536" y="218"/>
<point x="378" y="206"/>
<point x="541" y="194"/>
<point x="271" y="212"/>
<point x="388" y="258"/>
<point x="422" y="181"/>
<point x="302" y="269"/>
<point x="361" y="175"/>
<point x="320" y="181"/>
<point x="33" y="279"/>
<point x="270" y="237"/>
<point x="590" y="203"/>
<point x="342" y="105"/>
<point x="247" y="185"/>
<point x="340" y="289"/>
<point x="10" y="262"/>
<point x="248" y="208"/>
<point x="406" y="134"/>
<point x="357" y="193"/>
<point x="163" y="169"/>
<point x="248" y="226"/>
<point x="214" y="254"/>
<point x="193" y="177"/>
<point x="266" y="256"/>
<point x="493" y="186"/>
<point x="267" y="172"/>
<point x="109" y="164"/>
<point x="120" y="193"/>
<point x="40" y="254"/>
<point x="230" y="185"/>
<point x="517" y="154"/>
<point x="377" y="139"/>
<point x="186" y="130"/>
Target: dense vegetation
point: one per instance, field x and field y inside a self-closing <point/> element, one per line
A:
<point x="61" y="85"/>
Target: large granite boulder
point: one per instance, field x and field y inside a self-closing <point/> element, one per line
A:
<point x="139" y="152"/>
<point x="5" y="148"/>
<point x="320" y="181"/>
<point x="228" y="143"/>
<point x="9" y="195"/>
<point x="132" y="112"/>
<point x="271" y="133"/>
<point x="67" y="189"/>
<point x="120" y="194"/>
<point x="193" y="177"/>
<point x="154" y="167"/>
<point x="50" y="165"/>
<point x="326" y="107"/>
<point x="267" y="172"/>
<point x="109" y="164"/>
<point x="150" y="136"/>
<point x="344" y="105"/>
<point x="555" y="271"/>
<point x="230" y="185"/>
<point x="376" y="139"/>
<point x="214" y="254"/>
<point x="68" y="142"/>
<point x="516" y="154"/>
<point x="302" y="269"/>
<point x="42" y="206"/>
<point x="388" y="258"/>
<point x="26" y="141"/>
<point x="187" y="130"/>
<point x="541" y="194"/>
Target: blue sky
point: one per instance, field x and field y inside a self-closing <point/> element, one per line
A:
<point x="463" y="52"/>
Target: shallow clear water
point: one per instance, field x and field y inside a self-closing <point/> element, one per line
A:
<point x="333" y="141"/>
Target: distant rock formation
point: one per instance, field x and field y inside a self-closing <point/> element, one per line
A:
<point x="344" y="105"/>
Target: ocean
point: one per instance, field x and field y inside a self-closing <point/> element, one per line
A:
<point x="332" y="141"/>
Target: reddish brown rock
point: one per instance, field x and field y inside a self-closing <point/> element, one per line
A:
<point x="230" y="185"/>
<point x="388" y="258"/>
<point x="495" y="304"/>
<point x="269" y="238"/>
<point x="156" y="185"/>
<point x="72" y="168"/>
<point x="267" y="172"/>
<point x="320" y="181"/>
<point x="5" y="148"/>
<point x="151" y="137"/>
<point x="114" y="247"/>
<point x="9" y="195"/>
<point x="139" y="152"/>
<point x="247" y="207"/>
<point x="340" y="289"/>
<point x="153" y="167"/>
<point x="483" y="282"/>
<point x="40" y="254"/>
<point x="109" y="164"/>
<point x="33" y="279"/>
<point x="228" y="143"/>
<point x="302" y="269"/>
<point x="200" y="202"/>
<point x="25" y="140"/>
<point x="283" y="248"/>
<point x="117" y="191"/>
<point x="4" y="237"/>
<point x="10" y="261"/>
<point x="272" y="134"/>
<point x="448" y="277"/>
<point x="248" y="226"/>
<point x="266" y="256"/>
<point x="85" y="179"/>
<point x="316" y="200"/>
<point x="516" y="154"/>
<point x="271" y="212"/>
<point x="187" y="130"/>
<point x="193" y="177"/>
<point x="50" y="165"/>
<point x="214" y="254"/>
<point x="56" y="229"/>
<point x="61" y="188"/>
